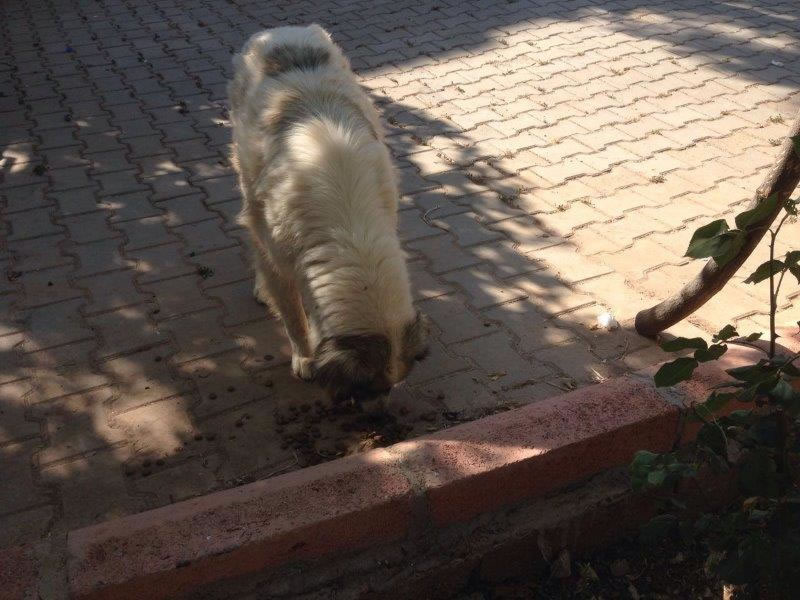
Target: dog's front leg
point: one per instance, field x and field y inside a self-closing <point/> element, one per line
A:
<point x="283" y="296"/>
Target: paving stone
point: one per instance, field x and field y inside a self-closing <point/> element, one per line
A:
<point x="77" y="201"/>
<point x="47" y="286"/>
<point x="177" y="296"/>
<point x="75" y="425"/>
<point x="25" y="198"/>
<point x="483" y="289"/>
<point x="489" y="207"/>
<point x="88" y="227"/>
<point x="97" y="257"/>
<point x="467" y="229"/>
<point x="17" y="466"/>
<point x="54" y="325"/>
<point x="437" y="363"/>
<point x="203" y="236"/>
<point x="125" y="330"/>
<point x="219" y="189"/>
<point x="199" y="334"/>
<point x="575" y="361"/>
<point x="50" y="382"/>
<point x="161" y="262"/>
<point x="112" y="290"/>
<point x="13" y="411"/>
<point x="120" y="182"/>
<point x="442" y="253"/>
<point x="454" y="319"/>
<point x="504" y="260"/>
<point x="32" y="223"/>
<point x="461" y="393"/>
<point x="131" y="206"/>
<point x="527" y="236"/>
<point x="92" y="488"/>
<point x="503" y="365"/>
<point x="141" y="378"/>
<point x="562" y="162"/>
<point x="144" y="233"/>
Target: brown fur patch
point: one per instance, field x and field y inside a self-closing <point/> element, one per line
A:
<point x="289" y="107"/>
<point x="288" y="57"/>
<point x="353" y="366"/>
<point x="285" y="109"/>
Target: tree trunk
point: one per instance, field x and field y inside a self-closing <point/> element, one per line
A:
<point x="782" y="179"/>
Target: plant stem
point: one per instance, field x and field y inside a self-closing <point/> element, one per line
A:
<point x="773" y="293"/>
<point x="773" y="299"/>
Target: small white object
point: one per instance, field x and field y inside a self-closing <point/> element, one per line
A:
<point x="607" y="321"/>
<point x="777" y="63"/>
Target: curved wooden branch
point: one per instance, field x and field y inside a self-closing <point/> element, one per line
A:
<point x="782" y="179"/>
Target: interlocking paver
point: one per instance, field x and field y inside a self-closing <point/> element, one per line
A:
<point x="554" y="163"/>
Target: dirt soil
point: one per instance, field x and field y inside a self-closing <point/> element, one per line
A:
<point x="626" y="570"/>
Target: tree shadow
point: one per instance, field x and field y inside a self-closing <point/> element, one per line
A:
<point x="177" y="384"/>
<point x="728" y="35"/>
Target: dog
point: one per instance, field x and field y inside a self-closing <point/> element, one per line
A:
<point x="320" y="203"/>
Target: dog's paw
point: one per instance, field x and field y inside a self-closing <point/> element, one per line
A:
<point x="301" y="367"/>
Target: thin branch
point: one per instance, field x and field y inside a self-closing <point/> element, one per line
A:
<point x="773" y="293"/>
<point x="780" y="281"/>
<point x="773" y="302"/>
<point x="781" y="180"/>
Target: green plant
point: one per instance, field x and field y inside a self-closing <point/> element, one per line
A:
<point x="754" y="542"/>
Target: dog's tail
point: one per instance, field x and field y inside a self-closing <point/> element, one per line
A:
<point x="276" y="51"/>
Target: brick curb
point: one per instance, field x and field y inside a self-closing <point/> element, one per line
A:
<point x="385" y="495"/>
<point x="18" y="573"/>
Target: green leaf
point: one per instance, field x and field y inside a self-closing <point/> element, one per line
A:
<point x="795" y="270"/>
<point x="656" y="478"/>
<point x="792" y="257"/>
<point x="782" y="392"/>
<point x="764" y="432"/>
<point x="757" y="474"/>
<point x="732" y="242"/>
<point x="764" y="270"/>
<point x="718" y="400"/>
<point x="676" y="371"/>
<point x="796" y="144"/>
<point x="754" y="336"/>
<point x="658" y="528"/>
<point x="682" y="343"/>
<point x="753" y="216"/>
<point x="643" y="458"/>
<point x="752" y="373"/>
<point x="792" y="262"/>
<point x="706" y="240"/>
<point x="726" y="333"/>
<point x="712" y="436"/>
<point x="642" y="464"/>
<point x="741" y="417"/>
<point x="713" y="353"/>
<point x="748" y="394"/>
<point x="791" y="206"/>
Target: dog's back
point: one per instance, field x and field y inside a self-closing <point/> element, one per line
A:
<point x="320" y="197"/>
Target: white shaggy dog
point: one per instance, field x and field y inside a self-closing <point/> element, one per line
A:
<point x="320" y="202"/>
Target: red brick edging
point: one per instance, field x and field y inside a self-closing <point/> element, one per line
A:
<point x="383" y="495"/>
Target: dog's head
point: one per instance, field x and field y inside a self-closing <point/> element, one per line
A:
<point x="366" y="366"/>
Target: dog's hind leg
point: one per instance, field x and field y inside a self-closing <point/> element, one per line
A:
<point x="282" y="295"/>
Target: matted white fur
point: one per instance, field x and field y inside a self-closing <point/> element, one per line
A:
<point x="320" y="202"/>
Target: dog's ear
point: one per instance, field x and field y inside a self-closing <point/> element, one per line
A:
<point x="415" y="338"/>
<point x="352" y="365"/>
